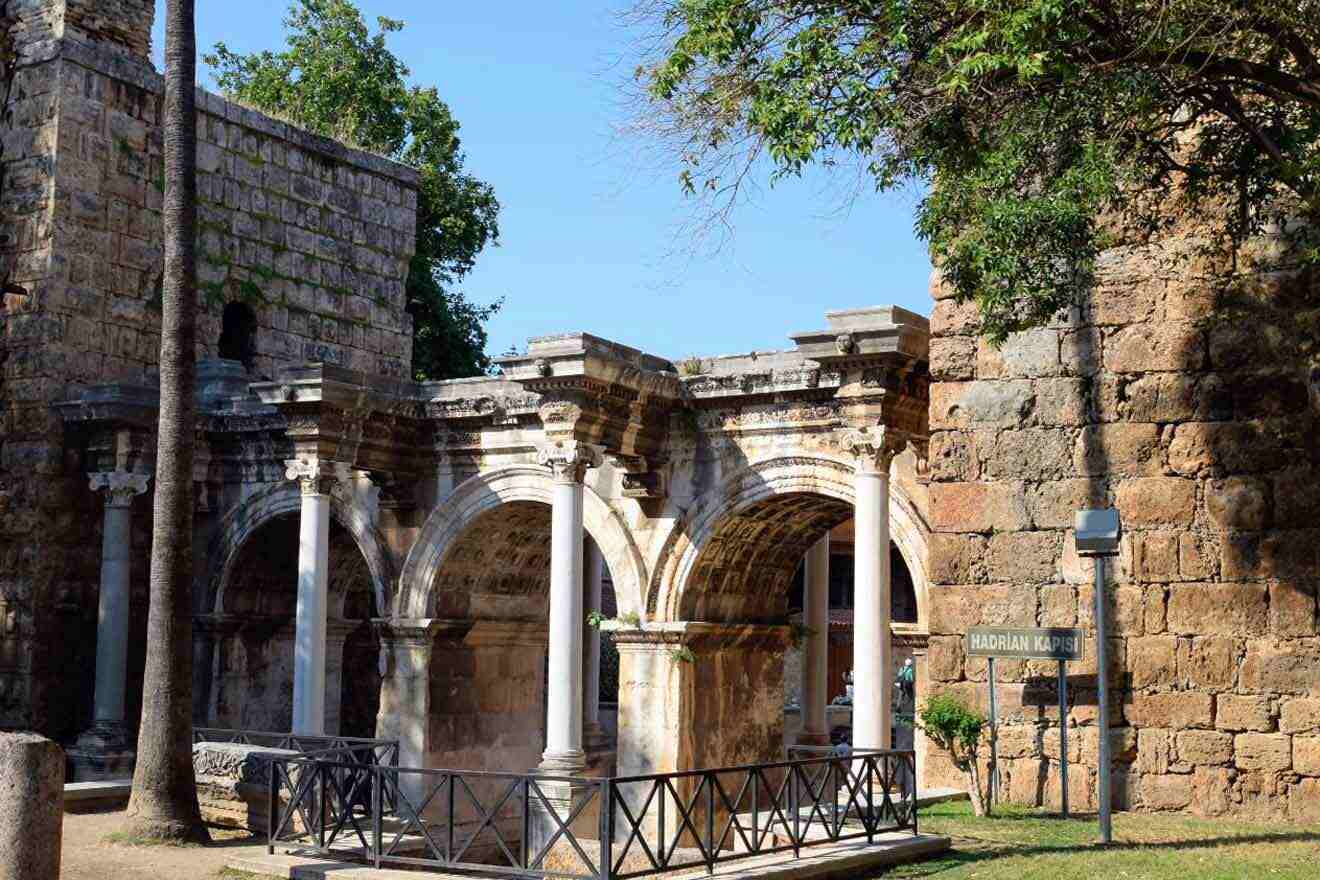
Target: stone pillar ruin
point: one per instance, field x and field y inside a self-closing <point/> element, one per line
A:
<point x="563" y="732"/>
<point x="32" y="804"/>
<point x="815" y="646"/>
<point x="315" y="479"/>
<point x="105" y="750"/>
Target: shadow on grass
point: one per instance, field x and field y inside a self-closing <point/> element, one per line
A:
<point x="987" y="850"/>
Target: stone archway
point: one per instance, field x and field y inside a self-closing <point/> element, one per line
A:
<point x="825" y="487"/>
<point x="512" y="484"/>
<point x="720" y="588"/>
<point x="282" y="499"/>
<point x="244" y="638"/>
<point x="474" y="595"/>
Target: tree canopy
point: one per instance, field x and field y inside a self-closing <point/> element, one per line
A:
<point x="1040" y="128"/>
<point x="338" y="79"/>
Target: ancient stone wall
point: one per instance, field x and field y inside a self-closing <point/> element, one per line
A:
<point x="1180" y="392"/>
<point x="312" y="241"/>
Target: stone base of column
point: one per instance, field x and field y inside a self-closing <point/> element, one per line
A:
<point x="813" y="739"/>
<point x="566" y="763"/>
<point x="600" y="751"/>
<point x="103" y="751"/>
<point x="557" y="801"/>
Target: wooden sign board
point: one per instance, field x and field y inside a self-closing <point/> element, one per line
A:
<point x="1036" y="643"/>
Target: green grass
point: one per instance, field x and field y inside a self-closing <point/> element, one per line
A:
<point x="1026" y="844"/>
<point x="123" y="838"/>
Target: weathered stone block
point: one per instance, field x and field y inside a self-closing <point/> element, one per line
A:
<point x="1194" y="562"/>
<point x="1306" y="755"/>
<point x="978" y="507"/>
<point x="1122" y="449"/>
<point x="953" y="358"/>
<point x="1053" y="504"/>
<point x="1204" y="747"/>
<point x="1166" y="791"/>
<point x="1178" y="711"/>
<point x="1299" y="716"/>
<point x="1238" y="503"/>
<point x="1292" y="608"/>
<point x="950" y="318"/>
<point x="1027" y="354"/>
<point x="1304" y="801"/>
<point x="1062" y="402"/>
<point x="964" y="404"/>
<point x="1271" y="752"/>
<point x="32" y="802"/>
<point x="1155" y="557"/>
<point x="1156" y="501"/>
<point x="944" y="658"/>
<point x="1080" y="351"/>
<point x="1217" y="609"/>
<point x="1237" y="712"/>
<point x="1058" y="605"/>
<point x="1023" y="557"/>
<point x="955" y="608"/>
<point x="1152" y="661"/>
<point x="956" y="558"/>
<point x="1142" y="348"/>
<point x="233" y="783"/>
<point x="1225" y="447"/>
<point x="953" y="457"/>
<point x="1208" y="662"/>
<point x="1282" y="669"/>
<point x="1028" y="454"/>
<point x="1211" y="787"/>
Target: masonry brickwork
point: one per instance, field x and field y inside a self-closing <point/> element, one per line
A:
<point x="1181" y="393"/>
<point x="310" y="236"/>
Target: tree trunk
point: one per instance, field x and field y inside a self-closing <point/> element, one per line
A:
<point x="980" y="802"/>
<point x="163" y="804"/>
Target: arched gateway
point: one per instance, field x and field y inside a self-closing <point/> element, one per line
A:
<point x="462" y="530"/>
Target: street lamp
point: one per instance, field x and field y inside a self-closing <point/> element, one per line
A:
<point x="1096" y="533"/>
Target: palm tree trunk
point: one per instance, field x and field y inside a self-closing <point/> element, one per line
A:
<point x="163" y="804"/>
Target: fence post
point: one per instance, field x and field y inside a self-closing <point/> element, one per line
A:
<point x="272" y="808"/>
<point x="320" y="824"/>
<point x="377" y="801"/>
<point x="606" y="868"/>
<point x="710" y="823"/>
<point x="870" y="821"/>
<point x="793" y="808"/>
<point x="526" y="819"/>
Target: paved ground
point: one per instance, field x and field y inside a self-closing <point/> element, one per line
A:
<point x="87" y="855"/>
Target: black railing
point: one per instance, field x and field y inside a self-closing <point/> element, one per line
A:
<point x="530" y="825"/>
<point x="383" y="751"/>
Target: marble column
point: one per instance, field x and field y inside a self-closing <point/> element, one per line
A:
<point x="315" y="478"/>
<point x="873" y="666"/>
<point x="563" y="735"/>
<point x="105" y="747"/>
<point x="593" y="577"/>
<point x="815" y="646"/>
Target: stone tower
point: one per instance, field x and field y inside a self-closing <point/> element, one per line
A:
<point x="303" y="253"/>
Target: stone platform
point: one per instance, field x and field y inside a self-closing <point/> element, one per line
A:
<point x="850" y="859"/>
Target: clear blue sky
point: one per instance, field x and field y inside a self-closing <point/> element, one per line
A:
<point x="588" y="233"/>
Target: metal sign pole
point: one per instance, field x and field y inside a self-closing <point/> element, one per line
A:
<point x="994" y="736"/>
<point x="1063" y="734"/>
<point x="1102" y="722"/>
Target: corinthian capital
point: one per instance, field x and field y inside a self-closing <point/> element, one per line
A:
<point x="120" y="486"/>
<point x="569" y="459"/>
<point x="314" y="476"/>
<point x="875" y="447"/>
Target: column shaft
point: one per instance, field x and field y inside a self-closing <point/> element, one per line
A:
<point x="310" y="626"/>
<point x="872" y="652"/>
<point x="112" y="614"/>
<point x="563" y="736"/>
<point x="815" y="646"/>
<point x="593" y="575"/>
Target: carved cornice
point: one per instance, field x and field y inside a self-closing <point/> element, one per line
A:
<point x="121" y="487"/>
<point x="569" y="459"/>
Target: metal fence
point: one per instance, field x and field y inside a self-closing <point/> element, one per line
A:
<point x="383" y="751"/>
<point x="524" y="825"/>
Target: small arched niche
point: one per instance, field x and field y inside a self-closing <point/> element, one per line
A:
<point x="238" y="334"/>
